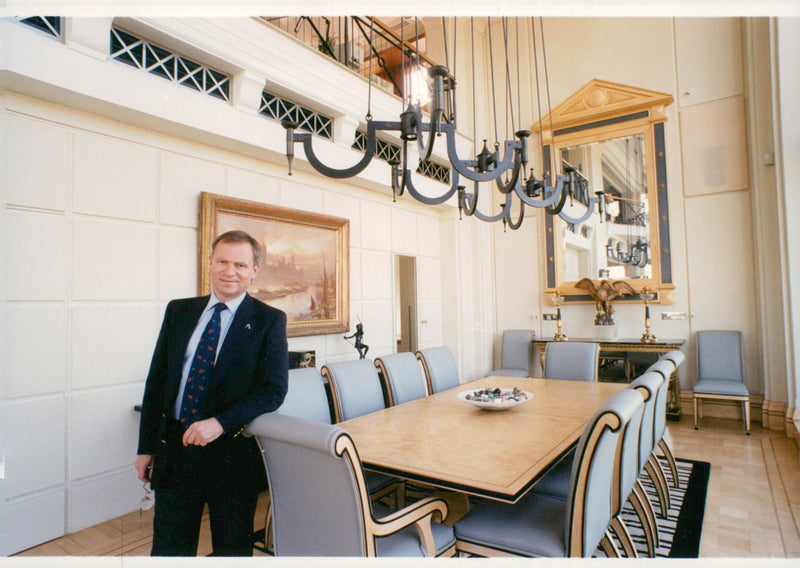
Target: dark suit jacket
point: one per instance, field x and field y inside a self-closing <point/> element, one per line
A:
<point x="250" y="378"/>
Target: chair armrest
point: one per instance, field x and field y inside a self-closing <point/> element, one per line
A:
<point x="420" y="513"/>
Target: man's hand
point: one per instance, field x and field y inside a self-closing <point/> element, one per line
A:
<point x="202" y="432"/>
<point x="143" y="465"/>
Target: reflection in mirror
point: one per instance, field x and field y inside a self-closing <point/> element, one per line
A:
<point x="616" y="238"/>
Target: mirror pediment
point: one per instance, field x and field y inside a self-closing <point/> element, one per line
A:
<point x="599" y="100"/>
<point x="612" y="137"/>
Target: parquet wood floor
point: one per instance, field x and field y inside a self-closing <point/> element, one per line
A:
<point x="752" y="508"/>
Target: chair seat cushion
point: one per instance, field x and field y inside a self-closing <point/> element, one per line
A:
<point x="721" y="387"/>
<point x="532" y="527"/>
<point x="508" y="373"/>
<point x="405" y="543"/>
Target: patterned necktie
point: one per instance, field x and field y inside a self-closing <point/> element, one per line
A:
<point x="194" y="393"/>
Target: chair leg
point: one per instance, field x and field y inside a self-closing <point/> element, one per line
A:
<point x="618" y="527"/>
<point x="644" y="509"/>
<point x="694" y="403"/>
<point x="662" y="476"/>
<point x="609" y="546"/>
<point x="662" y="443"/>
<point x="746" y="404"/>
<point x="654" y="471"/>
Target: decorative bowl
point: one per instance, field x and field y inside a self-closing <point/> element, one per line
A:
<point x="496" y="398"/>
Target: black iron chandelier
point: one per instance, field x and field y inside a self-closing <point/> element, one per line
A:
<point x="508" y="171"/>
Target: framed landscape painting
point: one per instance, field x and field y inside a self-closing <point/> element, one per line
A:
<point x="305" y="260"/>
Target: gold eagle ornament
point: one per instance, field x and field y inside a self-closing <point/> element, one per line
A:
<point x="603" y="294"/>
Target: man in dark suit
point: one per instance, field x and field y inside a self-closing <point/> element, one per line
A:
<point x="214" y="369"/>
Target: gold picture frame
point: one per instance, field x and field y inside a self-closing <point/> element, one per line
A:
<point x="305" y="267"/>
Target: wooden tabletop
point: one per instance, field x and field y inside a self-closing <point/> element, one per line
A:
<point x="443" y="441"/>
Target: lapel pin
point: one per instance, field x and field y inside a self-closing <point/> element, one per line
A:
<point x="247" y="326"/>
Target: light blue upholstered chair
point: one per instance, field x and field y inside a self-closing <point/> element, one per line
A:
<point x="441" y="371"/>
<point x="720" y="371"/>
<point x="403" y="377"/>
<point x="677" y="357"/>
<point x="515" y="354"/>
<point x="356" y="390"/>
<point x="627" y="477"/>
<point x="655" y="469"/>
<point x="306" y="398"/>
<point x="320" y="503"/>
<point x="648" y="385"/>
<point x="556" y="483"/>
<point x="666" y="367"/>
<point x="571" y="360"/>
<point x="542" y="525"/>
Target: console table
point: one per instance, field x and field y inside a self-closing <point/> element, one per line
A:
<point x="627" y="346"/>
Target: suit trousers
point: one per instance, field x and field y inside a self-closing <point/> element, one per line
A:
<point x="193" y="477"/>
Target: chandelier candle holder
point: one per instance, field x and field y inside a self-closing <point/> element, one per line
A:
<point x="646" y="295"/>
<point x="559" y="335"/>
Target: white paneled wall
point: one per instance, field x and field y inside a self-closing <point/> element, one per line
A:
<point x="104" y="217"/>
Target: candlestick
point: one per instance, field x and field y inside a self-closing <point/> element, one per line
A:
<point x="646" y="295"/>
<point x="557" y="300"/>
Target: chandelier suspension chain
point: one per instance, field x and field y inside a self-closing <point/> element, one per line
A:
<point x="538" y="90"/>
<point x="494" y="95"/>
<point x="369" y="88"/>
<point x="509" y="96"/>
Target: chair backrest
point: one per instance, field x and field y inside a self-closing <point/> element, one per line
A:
<point x="628" y="463"/>
<point x="593" y="473"/>
<point x="441" y="371"/>
<point x="355" y="388"/>
<point x="403" y="377"/>
<point x="316" y="487"/>
<point x="571" y="360"/>
<point x="515" y="352"/>
<point x="719" y="355"/>
<point x="675" y="356"/>
<point x="306" y="397"/>
<point x="665" y="368"/>
<point x="648" y="385"/>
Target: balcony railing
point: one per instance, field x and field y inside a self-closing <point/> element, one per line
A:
<point x="393" y="55"/>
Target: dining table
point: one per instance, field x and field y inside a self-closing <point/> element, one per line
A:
<point x="445" y="441"/>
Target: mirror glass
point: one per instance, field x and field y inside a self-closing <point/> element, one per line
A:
<point x="616" y="238"/>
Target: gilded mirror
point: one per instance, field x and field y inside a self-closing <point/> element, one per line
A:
<point x="612" y="138"/>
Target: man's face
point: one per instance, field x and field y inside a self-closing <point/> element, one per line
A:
<point x="231" y="270"/>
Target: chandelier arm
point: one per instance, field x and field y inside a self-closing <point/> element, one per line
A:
<point x="461" y="165"/>
<point x="314" y="162"/>
<point x="585" y="217"/>
<point x="511" y="224"/>
<point x="504" y="213"/>
<point x="400" y="188"/>
<point x="470" y="206"/>
<point x="555" y="210"/>
<point x="409" y="185"/>
<point x="555" y="195"/>
<point x="468" y="201"/>
<point x="507" y="187"/>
